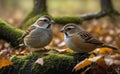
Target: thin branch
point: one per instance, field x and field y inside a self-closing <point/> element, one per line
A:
<point x="79" y="19"/>
<point x="93" y="16"/>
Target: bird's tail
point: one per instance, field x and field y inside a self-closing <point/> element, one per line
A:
<point x="112" y="47"/>
<point x="20" y="43"/>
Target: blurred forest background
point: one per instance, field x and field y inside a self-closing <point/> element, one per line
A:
<point x="14" y="11"/>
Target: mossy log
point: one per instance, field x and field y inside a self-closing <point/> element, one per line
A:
<point x="53" y="64"/>
<point x="9" y="33"/>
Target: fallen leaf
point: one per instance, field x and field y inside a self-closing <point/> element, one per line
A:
<point x="104" y="51"/>
<point x="85" y="64"/>
<point x="112" y="59"/>
<point x="24" y="52"/>
<point x="82" y="64"/>
<point x="40" y="61"/>
<point x="69" y="50"/>
<point x="5" y="62"/>
<point x="62" y="51"/>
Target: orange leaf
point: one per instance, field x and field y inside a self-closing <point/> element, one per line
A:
<point x="91" y="56"/>
<point x="82" y="64"/>
<point x="86" y="63"/>
<point x="103" y="51"/>
<point x="5" y="62"/>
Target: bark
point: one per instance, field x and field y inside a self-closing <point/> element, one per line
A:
<point x="106" y="5"/>
<point x="39" y="7"/>
<point x="108" y="8"/>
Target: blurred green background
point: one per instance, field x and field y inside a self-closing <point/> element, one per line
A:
<point x="14" y="11"/>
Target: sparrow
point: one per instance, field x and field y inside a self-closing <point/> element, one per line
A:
<point x="79" y="40"/>
<point x="39" y="34"/>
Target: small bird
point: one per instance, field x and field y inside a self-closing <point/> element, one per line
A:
<point x="39" y="34"/>
<point x="79" y="40"/>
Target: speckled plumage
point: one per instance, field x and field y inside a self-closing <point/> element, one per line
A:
<point x="39" y="34"/>
<point x="80" y="40"/>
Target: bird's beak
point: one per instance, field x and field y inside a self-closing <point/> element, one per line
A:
<point x="52" y="22"/>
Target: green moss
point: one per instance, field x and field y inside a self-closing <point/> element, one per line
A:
<point x="23" y="64"/>
<point x="67" y="19"/>
<point x="53" y="64"/>
<point x="9" y="33"/>
<point x="30" y="15"/>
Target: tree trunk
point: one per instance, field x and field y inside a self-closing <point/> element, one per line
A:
<point x="106" y="6"/>
<point x="39" y="6"/>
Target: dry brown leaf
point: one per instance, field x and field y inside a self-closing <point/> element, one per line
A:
<point x="5" y="53"/>
<point x="86" y="63"/>
<point x="112" y="59"/>
<point x="104" y="51"/>
<point x="82" y="64"/>
<point x="101" y="62"/>
<point x="24" y="52"/>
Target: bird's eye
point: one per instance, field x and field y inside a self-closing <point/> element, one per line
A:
<point x="69" y="28"/>
<point x="45" y="20"/>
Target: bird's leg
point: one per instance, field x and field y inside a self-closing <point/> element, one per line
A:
<point x="44" y="49"/>
<point x="30" y="50"/>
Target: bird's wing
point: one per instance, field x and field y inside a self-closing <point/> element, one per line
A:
<point x="89" y="38"/>
<point x="28" y="31"/>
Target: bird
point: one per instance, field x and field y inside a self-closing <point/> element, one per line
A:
<point x="81" y="41"/>
<point x="39" y="34"/>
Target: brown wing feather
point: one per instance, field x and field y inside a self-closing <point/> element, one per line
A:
<point x="28" y="31"/>
<point x="89" y="38"/>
